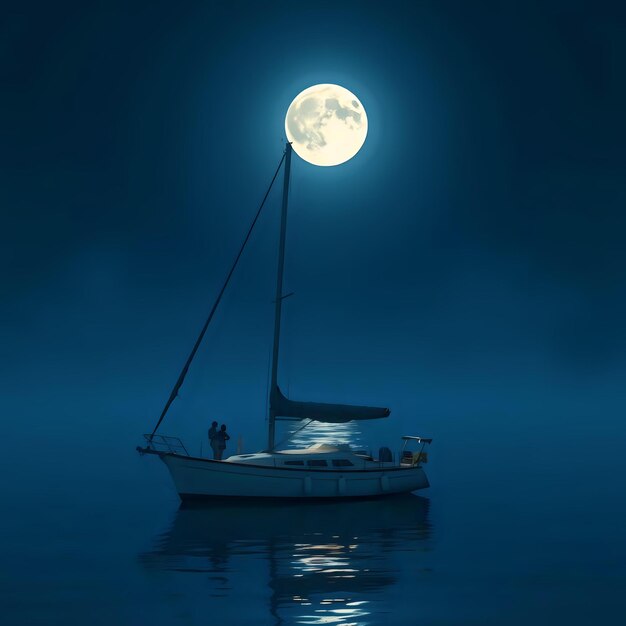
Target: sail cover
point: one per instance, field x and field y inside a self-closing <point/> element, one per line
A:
<point x="321" y="412"/>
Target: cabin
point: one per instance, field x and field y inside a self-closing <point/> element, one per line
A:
<point x="321" y="456"/>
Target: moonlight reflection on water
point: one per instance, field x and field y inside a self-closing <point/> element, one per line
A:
<point x="313" y="563"/>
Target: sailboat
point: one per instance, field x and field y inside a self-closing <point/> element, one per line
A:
<point x="318" y="471"/>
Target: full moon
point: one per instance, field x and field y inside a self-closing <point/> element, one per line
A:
<point x="326" y="124"/>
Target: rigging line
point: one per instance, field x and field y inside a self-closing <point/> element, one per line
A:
<point x="185" y="369"/>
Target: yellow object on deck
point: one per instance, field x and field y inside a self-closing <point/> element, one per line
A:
<point x="414" y="458"/>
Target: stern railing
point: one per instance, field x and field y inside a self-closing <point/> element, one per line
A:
<point x="411" y="458"/>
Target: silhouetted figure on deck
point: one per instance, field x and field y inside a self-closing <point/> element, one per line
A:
<point x="213" y="440"/>
<point x="221" y="438"/>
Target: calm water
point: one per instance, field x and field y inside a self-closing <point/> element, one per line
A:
<point x="508" y="534"/>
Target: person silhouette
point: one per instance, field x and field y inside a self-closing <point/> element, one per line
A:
<point x="213" y="440"/>
<point x="221" y="437"/>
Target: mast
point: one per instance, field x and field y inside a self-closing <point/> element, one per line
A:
<point x="279" y="293"/>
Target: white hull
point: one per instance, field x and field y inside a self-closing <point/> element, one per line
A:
<point x="197" y="478"/>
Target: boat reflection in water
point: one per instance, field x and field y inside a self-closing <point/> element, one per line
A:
<point x="309" y="563"/>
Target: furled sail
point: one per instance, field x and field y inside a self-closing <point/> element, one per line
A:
<point x="321" y="412"/>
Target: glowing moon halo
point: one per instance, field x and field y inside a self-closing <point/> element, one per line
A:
<point x="326" y="124"/>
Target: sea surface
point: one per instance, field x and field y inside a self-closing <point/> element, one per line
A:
<point x="512" y="531"/>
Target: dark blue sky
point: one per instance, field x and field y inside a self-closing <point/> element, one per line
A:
<point x="471" y="256"/>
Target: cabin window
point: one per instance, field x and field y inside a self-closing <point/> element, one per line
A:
<point x="293" y="463"/>
<point x="317" y="463"/>
<point x="342" y="463"/>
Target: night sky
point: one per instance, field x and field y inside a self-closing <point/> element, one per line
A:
<point x="466" y="268"/>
